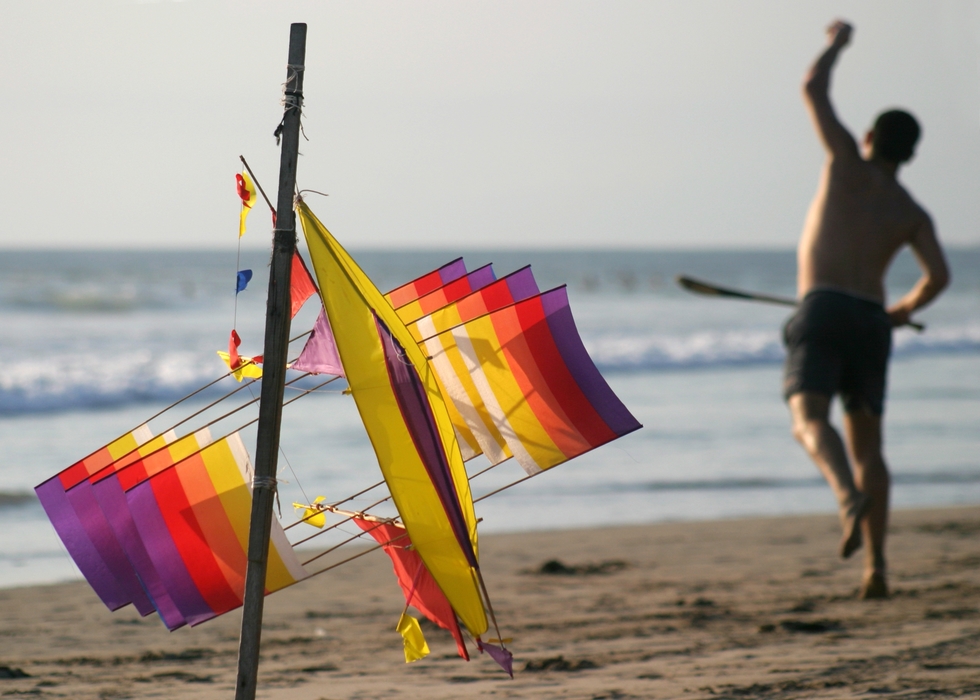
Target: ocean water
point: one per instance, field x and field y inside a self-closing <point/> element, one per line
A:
<point x="93" y="343"/>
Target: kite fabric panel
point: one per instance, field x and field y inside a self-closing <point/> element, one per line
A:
<point x="319" y="355"/>
<point x="541" y="389"/>
<point x="414" y="641"/>
<point x="419" y="419"/>
<point x="516" y="286"/>
<point x="163" y="523"/>
<point x="193" y="518"/>
<point x="356" y="306"/>
<point x="498" y="653"/>
<point x="247" y="368"/>
<point x="410" y="291"/>
<point x="103" y="457"/>
<point x="446" y="294"/>
<point x="417" y="584"/>
<point x="108" y="490"/>
<point x="85" y="503"/>
<point x="301" y="286"/>
<point x="73" y="529"/>
<point x="473" y="422"/>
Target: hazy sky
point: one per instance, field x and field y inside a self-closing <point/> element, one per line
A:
<point x="467" y="124"/>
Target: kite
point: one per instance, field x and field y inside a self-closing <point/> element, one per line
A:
<point x="446" y="367"/>
<point x="406" y="419"/>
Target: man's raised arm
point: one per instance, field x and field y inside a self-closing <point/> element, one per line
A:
<point x="816" y="92"/>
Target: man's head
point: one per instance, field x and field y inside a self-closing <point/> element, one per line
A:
<point x="893" y="136"/>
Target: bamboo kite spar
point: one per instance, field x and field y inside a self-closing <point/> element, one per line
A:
<point x="709" y="289"/>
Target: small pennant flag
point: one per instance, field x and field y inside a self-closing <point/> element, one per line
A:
<point x="234" y="341"/>
<point x="244" y="277"/>
<point x="499" y="654"/>
<point x="241" y="366"/>
<point x="313" y="514"/>
<point x="247" y="366"/>
<point x="415" y="645"/>
<point x="301" y="285"/>
<point x="320" y="354"/>
<point x="246" y="191"/>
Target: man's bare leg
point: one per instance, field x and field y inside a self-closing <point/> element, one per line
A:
<point x="863" y="431"/>
<point x="812" y="428"/>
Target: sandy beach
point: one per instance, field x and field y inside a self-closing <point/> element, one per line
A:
<point x="724" y="609"/>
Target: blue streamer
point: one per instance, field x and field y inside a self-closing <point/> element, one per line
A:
<point x="244" y="276"/>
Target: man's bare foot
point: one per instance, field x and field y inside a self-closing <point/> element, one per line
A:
<point x="851" y="520"/>
<point x="874" y="587"/>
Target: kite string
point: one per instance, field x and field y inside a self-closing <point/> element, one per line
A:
<point x="220" y="399"/>
<point x="344" y="561"/>
<point x="408" y="598"/>
<point x="164" y="410"/>
<point x="482" y="583"/>
<point x="238" y="264"/>
<point x="383" y="500"/>
<point x="334" y="505"/>
<point x="359" y="493"/>
<point x="256" y="481"/>
<point x="335" y="525"/>
<point x="292" y="471"/>
<point x="282" y="453"/>
<point x="352" y="538"/>
<point x="213" y="403"/>
<point x="318" y="509"/>
<point x="504" y="488"/>
<point x="220" y="418"/>
<point x="364" y="511"/>
<point x="168" y="408"/>
<point x="238" y="258"/>
<point x="333" y="508"/>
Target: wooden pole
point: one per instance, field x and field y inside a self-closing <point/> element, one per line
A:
<point x="278" y="309"/>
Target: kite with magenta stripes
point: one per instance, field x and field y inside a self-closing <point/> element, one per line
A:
<point x="454" y="372"/>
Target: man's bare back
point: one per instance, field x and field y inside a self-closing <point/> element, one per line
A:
<point x="861" y="215"/>
<point x="859" y="218"/>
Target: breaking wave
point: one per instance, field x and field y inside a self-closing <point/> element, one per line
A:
<point x="94" y="378"/>
<point x="657" y="352"/>
<point x="91" y="381"/>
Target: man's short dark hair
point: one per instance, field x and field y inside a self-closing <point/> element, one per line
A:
<point x="895" y="134"/>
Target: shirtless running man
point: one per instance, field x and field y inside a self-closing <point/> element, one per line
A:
<point x="839" y="340"/>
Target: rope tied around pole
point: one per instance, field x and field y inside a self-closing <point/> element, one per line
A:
<point x="291" y="99"/>
<point x="268" y="483"/>
<point x="264" y="482"/>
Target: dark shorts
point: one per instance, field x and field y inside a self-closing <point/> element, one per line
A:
<point x="838" y="344"/>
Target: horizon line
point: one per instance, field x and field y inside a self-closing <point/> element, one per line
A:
<point x="443" y="249"/>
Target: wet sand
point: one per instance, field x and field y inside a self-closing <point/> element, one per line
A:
<point x="725" y="609"/>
